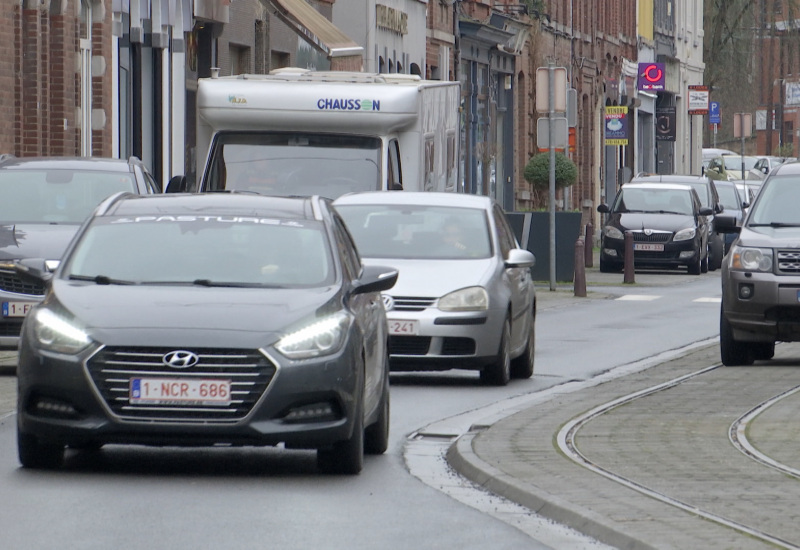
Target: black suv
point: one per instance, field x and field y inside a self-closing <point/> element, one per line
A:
<point x="43" y="201"/>
<point x="709" y="198"/>
<point x="761" y="273"/>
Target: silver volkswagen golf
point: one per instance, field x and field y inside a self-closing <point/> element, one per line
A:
<point x="464" y="298"/>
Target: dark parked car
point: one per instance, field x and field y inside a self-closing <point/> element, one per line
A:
<point x="761" y="274"/>
<point x="733" y="206"/>
<point x="668" y="225"/>
<point x="43" y="201"/>
<point x="709" y="197"/>
<point x="245" y="320"/>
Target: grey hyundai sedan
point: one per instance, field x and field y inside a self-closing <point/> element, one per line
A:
<point x="203" y="320"/>
<point x="464" y="298"/>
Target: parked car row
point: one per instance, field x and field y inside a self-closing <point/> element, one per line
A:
<point x="246" y="319"/>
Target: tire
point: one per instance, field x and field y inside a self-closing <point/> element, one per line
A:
<point x="718" y="250"/>
<point x="376" y="436"/>
<point x="732" y="353"/>
<point x="695" y="267"/>
<point x="763" y="351"/>
<point x="499" y="372"/>
<point x="522" y="366"/>
<point x="37" y="455"/>
<point x="704" y="264"/>
<point x="345" y="457"/>
<point x="608" y="267"/>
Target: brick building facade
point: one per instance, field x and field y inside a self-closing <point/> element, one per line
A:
<point x="47" y="52"/>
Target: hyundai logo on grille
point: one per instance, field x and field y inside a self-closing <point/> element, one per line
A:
<point x="388" y="302"/>
<point x="180" y="359"/>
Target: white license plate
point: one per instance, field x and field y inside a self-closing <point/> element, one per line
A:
<point x="179" y="391"/>
<point x="648" y="247"/>
<point x="17" y="309"/>
<point x="403" y="328"/>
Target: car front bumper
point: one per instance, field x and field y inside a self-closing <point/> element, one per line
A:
<point x="674" y="254"/>
<point x="303" y="404"/>
<point x="446" y="340"/>
<point x="762" y="307"/>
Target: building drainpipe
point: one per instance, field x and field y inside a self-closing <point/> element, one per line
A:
<point x="136" y="38"/>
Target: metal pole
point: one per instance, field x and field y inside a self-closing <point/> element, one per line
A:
<point x="741" y="129"/>
<point x="552" y="198"/>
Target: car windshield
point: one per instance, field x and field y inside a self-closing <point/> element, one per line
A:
<point x="653" y="200"/>
<point x="729" y="197"/>
<point x="283" y="163"/>
<point x="777" y="203"/>
<point x="56" y="196"/>
<point x="418" y="232"/>
<point x="206" y="250"/>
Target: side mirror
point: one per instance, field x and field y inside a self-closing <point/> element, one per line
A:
<point x="176" y="184"/>
<point x="726" y="224"/>
<point x="705" y="211"/>
<point x="603" y="208"/>
<point x="37" y="270"/>
<point x="517" y="257"/>
<point x="375" y="278"/>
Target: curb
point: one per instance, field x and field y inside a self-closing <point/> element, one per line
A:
<point x="462" y="458"/>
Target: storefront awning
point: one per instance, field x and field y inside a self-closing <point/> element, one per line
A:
<point x="315" y="28"/>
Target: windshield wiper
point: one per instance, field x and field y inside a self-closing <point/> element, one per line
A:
<point x="101" y="280"/>
<point x="774" y="224"/>
<point x="229" y="284"/>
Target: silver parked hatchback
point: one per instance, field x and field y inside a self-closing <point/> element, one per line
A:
<point x="464" y="298"/>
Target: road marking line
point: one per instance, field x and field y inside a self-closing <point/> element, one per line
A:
<point x="638" y="298"/>
<point x="708" y="300"/>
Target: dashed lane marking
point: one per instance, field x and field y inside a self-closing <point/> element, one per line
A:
<point x="638" y="298"/>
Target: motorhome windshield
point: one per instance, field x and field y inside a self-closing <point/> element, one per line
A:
<point x="294" y="163"/>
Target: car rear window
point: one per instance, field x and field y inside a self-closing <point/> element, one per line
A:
<point x="56" y="196"/>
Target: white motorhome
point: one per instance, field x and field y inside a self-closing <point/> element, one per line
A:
<point x="300" y="132"/>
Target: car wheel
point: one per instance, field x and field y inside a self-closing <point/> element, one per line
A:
<point x="763" y="351"/>
<point x="37" y="455"/>
<point x="345" y="457"/>
<point x="718" y="251"/>
<point x="499" y="372"/>
<point x="608" y="267"/>
<point x="522" y="366"/>
<point x="695" y="267"/>
<point x="732" y="353"/>
<point x="376" y="436"/>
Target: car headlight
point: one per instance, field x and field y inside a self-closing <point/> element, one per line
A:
<point x="612" y="232"/>
<point x="685" y="234"/>
<point x="321" y="337"/>
<point x="744" y="258"/>
<point x="54" y="332"/>
<point x="474" y="298"/>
